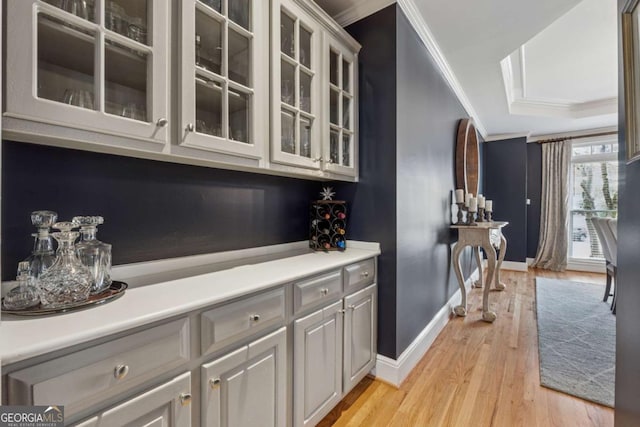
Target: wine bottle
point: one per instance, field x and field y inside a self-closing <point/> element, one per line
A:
<point x="323" y="212"/>
<point x="340" y="211"/>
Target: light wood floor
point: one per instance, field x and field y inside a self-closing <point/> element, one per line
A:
<point x="477" y="374"/>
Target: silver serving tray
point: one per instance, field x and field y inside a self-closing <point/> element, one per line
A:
<point x="115" y="291"/>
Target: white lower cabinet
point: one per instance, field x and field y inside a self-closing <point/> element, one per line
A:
<point x="317" y="370"/>
<point x="359" y="336"/>
<point x="168" y="405"/>
<point x="247" y="387"/>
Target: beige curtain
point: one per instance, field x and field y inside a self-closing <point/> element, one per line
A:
<point x="554" y="220"/>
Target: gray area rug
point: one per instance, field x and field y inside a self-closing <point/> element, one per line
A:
<point x="577" y="339"/>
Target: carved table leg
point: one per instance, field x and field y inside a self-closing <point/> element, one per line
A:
<point x="503" y="249"/>
<point x="478" y="283"/>
<point x="487" y="315"/>
<point x="459" y="310"/>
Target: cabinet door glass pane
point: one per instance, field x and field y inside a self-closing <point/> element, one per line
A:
<point x="333" y="68"/>
<point x="239" y="12"/>
<point x="126" y="17"/>
<point x="346" y="150"/>
<point x="334" y="106"/>
<point x="287" y="83"/>
<point x="125" y="82"/>
<point x="213" y="4"/>
<point x="208" y="107"/>
<point x="346" y="76"/>
<point x="334" y="147"/>
<point x="305" y="92"/>
<point x="65" y="63"/>
<point x="346" y="112"/>
<point x="85" y="9"/>
<point x="305" y="47"/>
<point x="208" y="44"/>
<point x="305" y="137"/>
<point x="287" y="35"/>
<point x="239" y="108"/>
<point x="239" y="50"/>
<point x="288" y="141"/>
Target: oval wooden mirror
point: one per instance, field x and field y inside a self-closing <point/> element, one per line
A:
<point x="467" y="158"/>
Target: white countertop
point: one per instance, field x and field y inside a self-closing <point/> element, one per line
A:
<point x="22" y="338"/>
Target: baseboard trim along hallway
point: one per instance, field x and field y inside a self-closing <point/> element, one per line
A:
<point x="395" y="371"/>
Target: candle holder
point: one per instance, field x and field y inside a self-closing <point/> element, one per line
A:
<point x="481" y="215"/>
<point x="471" y="218"/>
<point x="489" y="216"/>
<point x="461" y="208"/>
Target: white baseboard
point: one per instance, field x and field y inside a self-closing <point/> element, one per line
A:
<point x="588" y="266"/>
<point x="530" y="261"/>
<point x="395" y="371"/>
<point x="516" y="266"/>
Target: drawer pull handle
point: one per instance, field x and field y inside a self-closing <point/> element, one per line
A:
<point x="254" y="317"/>
<point x="365" y="274"/>
<point x="324" y="291"/>
<point x="185" y="399"/>
<point x="214" y="383"/>
<point x="120" y="371"/>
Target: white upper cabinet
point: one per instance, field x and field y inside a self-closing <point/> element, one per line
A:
<point x="224" y="86"/>
<point x="295" y="91"/>
<point x="98" y="66"/>
<point x="340" y="151"/>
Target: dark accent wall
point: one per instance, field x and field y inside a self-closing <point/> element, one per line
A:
<point x="373" y="208"/>
<point x="408" y="119"/>
<point x="534" y="193"/>
<point x="152" y="210"/>
<point x="505" y="183"/>
<point x="428" y="114"/>
<point x="627" y="412"/>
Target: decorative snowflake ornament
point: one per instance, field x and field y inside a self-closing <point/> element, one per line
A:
<point x="327" y="193"/>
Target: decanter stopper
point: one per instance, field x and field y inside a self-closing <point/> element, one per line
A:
<point x="44" y="220"/>
<point x="25" y="295"/>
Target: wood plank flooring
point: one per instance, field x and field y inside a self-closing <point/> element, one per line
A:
<point x="477" y="374"/>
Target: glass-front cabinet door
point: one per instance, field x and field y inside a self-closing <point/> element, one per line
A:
<point x="340" y="89"/>
<point x="95" y="65"/>
<point x="295" y="109"/>
<point x="224" y="78"/>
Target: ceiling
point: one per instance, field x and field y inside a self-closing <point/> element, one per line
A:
<point x="525" y="67"/>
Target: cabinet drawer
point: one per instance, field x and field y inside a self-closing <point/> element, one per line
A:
<point x="359" y="274"/>
<point x="87" y="377"/>
<point x="311" y="292"/>
<point x="224" y="325"/>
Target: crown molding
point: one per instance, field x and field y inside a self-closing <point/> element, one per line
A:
<point x="420" y="26"/>
<point x="503" y="136"/>
<point x="361" y="9"/>
<point x="574" y="134"/>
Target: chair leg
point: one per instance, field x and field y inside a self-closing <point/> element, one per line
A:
<point x="615" y="291"/>
<point x="607" y="289"/>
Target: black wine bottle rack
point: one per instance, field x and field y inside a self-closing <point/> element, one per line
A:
<point x="328" y="229"/>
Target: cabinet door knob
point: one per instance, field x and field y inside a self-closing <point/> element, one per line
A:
<point x="120" y="371"/>
<point x="191" y="127"/>
<point x="254" y="317"/>
<point x="162" y="122"/>
<point x="324" y="291"/>
<point x="214" y="383"/>
<point x="185" y="399"/>
<point x="365" y="274"/>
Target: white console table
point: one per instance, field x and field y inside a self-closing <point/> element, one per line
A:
<point x="488" y="236"/>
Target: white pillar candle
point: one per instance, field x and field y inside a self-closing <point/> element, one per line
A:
<point x="481" y="201"/>
<point x="489" y="205"/>
<point x="468" y="197"/>
<point x="473" y="204"/>
<point x="459" y="196"/>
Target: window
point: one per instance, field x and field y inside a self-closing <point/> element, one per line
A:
<point x="594" y="193"/>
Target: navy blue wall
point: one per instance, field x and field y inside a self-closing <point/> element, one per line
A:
<point x="152" y="210"/>
<point x="373" y="208"/>
<point x="505" y="182"/>
<point x="534" y="193"/>
<point x="628" y="298"/>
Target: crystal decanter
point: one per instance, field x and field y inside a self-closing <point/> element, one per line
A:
<point x="43" y="255"/>
<point x="25" y="294"/>
<point x="67" y="281"/>
<point x="93" y="253"/>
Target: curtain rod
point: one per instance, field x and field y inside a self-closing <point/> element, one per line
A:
<point x="566" y="138"/>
